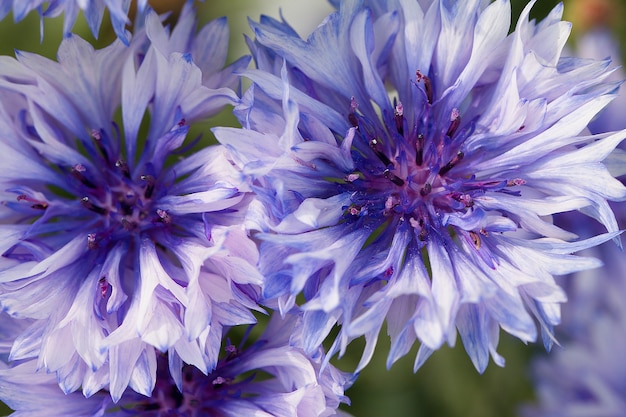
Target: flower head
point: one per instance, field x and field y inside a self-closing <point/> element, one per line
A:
<point x="113" y="241"/>
<point x="269" y="378"/>
<point x="407" y="158"/>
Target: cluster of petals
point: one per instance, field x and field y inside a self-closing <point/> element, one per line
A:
<point x="268" y="378"/>
<point x="407" y="159"/>
<point x="117" y="246"/>
<point x="93" y="10"/>
<point x="584" y="376"/>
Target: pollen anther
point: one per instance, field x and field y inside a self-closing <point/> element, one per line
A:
<point x="475" y="239"/>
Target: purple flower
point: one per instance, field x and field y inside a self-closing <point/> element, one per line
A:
<point x="269" y="378"/>
<point x="407" y="158"/>
<point x="113" y="241"/>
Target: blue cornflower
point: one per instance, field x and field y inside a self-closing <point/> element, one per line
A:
<point x="113" y="241"/>
<point x="407" y="158"/>
<point x="268" y="378"/>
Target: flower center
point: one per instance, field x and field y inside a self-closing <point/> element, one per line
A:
<point x="411" y="172"/>
<point x="201" y="394"/>
<point x="124" y="201"/>
<point x="112" y="200"/>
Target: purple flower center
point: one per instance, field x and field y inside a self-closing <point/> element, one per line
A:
<point x="414" y="172"/>
<point x="123" y="201"/>
<point x="105" y="198"/>
<point x="201" y="395"/>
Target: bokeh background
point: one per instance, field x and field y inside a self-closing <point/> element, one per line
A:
<point x="447" y="385"/>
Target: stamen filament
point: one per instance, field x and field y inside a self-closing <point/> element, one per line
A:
<point x="90" y="206"/>
<point x="374" y="145"/>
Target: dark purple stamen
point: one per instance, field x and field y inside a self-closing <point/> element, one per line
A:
<point x="98" y="138"/>
<point x="149" y="179"/>
<point x="91" y="241"/>
<point x="123" y="167"/>
<point x="353" y="120"/>
<point x="374" y="145"/>
<point x="91" y="206"/>
<point x="164" y="217"/>
<point x="388" y="272"/>
<point x="447" y="167"/>
<point x="352" y="115"/>
<point x="426" y="189"/>
<point x="37" y="204"/>
<point x="419" y="150"/>
<point x="399" y="118"/>
<point x="455" y="121"/>
<point x="393" y="178"/>
<point x="77" y="172"/>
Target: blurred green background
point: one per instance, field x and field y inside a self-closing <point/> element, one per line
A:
<point x="447" y="385"/>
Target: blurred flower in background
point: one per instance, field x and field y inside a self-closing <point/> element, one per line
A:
<point x="596" y="24"/>
<point x="585" y="376"/>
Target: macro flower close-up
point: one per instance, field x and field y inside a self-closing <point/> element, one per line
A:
<point x="273" y="208"/>
<point x="406" y="160"/>
<point x="114" y="240"/>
